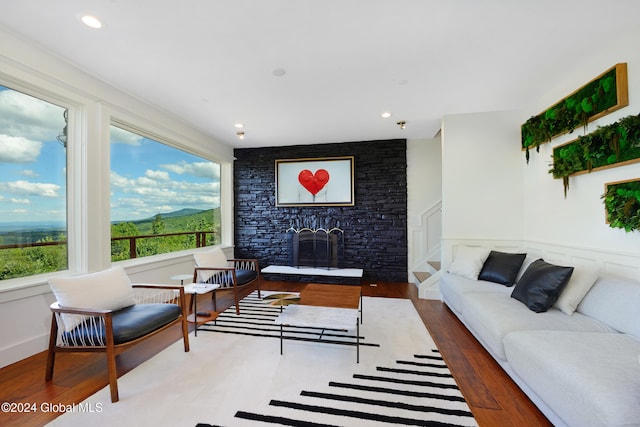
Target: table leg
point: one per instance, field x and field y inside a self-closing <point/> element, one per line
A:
<point x="195" y="313"/>
<point x="357" y="341"/>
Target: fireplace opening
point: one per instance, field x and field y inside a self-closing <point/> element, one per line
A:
<point x="316" y="248"/>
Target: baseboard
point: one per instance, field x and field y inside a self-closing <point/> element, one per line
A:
<point x="22" y="350"/>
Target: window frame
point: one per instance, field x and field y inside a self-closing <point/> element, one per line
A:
<point x="141" y="129"/>
<point x="75" y="163"/>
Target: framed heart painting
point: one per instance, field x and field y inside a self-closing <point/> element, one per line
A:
<point x="326" y="181"/>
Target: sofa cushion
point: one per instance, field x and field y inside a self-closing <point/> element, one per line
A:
<point x="130" y="323"/>
<point x="615" y="302"/>
<point x="491" y="316"/>
<point x="582" y="279"/>
<point x="105" y="290"/>
<point x="541" y="285"/>
<point x="469" y="261"/>
<point x="587" y="379"/>
<point x="454" y="288"/>
<point x="501" y="267"/>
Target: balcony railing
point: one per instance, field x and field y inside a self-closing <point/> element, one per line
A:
<point x="200" y="241"/>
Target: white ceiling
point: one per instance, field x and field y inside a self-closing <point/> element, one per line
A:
<point x="211" y="62"/>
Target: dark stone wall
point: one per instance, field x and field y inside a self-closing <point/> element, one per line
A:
<point x="375" y="227"/>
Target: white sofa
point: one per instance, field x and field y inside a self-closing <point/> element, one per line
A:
<point x="579" y="362"/>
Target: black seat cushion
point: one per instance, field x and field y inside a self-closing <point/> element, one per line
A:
<point x="129" y="323"/>
<point x="245" y="276"/>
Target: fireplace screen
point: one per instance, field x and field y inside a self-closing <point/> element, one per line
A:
<point x="317" y="248"/>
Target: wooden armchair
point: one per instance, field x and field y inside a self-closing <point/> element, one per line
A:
<point x="214" y="267"/>
<point x="104" y="312"/>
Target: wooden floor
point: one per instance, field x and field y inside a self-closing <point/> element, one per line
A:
<point x="494" y="399"/>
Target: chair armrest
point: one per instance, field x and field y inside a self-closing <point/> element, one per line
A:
<point x="56" y="308"/>
<point x="155" y="286"/>
<point x="215" y="268"/>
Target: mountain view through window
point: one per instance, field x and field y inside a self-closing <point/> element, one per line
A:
<point x="33" y="195"/>
<point x="162" y="199"/>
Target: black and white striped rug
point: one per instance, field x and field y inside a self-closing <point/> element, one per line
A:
<point x="418" y="390"/>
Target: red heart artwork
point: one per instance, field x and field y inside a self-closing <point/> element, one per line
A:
<point x="313" y="182"/>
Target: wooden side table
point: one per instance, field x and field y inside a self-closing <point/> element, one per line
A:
<point x="196" y="289"/>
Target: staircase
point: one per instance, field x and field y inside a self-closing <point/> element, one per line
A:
<point x="428" y="278"/>
<point x="424" y="248"/>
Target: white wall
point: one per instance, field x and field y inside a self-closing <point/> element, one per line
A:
<point x="424" y="175"/>
<point x="482" y="180"/>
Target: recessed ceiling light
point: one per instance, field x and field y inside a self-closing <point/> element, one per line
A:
<point x="385" y="115"/>
<point x="239" y="125"/>
<point x="91" y="21"/>
<point x="279" y="72"/>
<point x="240" y="134"/>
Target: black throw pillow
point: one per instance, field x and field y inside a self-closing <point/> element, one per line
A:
<point x="501" y="267"/>
<point x="541" y="285"/>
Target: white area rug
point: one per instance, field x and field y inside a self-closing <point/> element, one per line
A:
<point x="234" y="379"/>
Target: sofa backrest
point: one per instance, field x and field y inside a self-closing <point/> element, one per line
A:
<point x="615" y="302"/>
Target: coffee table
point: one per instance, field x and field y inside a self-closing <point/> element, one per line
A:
<point x="326" y="307"/>
<point x="341" y="296"/>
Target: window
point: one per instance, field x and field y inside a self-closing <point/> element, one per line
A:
<point x="33" y="194"/>
<point x="162" y="199"/>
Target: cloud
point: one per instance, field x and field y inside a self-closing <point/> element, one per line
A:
<point x="29" y="173"/>
<point x="121" y="136"/>
<point x="128" y="202"/>
<point x="164" y="208"/>
<point x="20" y="201"/>
<point x="156" y="192"/>
<point x="207" y="170"/>
<point x="29" y="189"/>
<point x="159" y="193"/>
<point x="119" y="181"/>
<point x="29" y="117"/>
<point x="16" y="149"/>
<point x="157" y="175"/>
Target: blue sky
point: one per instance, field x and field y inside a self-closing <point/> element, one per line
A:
<point x="146" y="177"/>
<point x="32" y="161"/>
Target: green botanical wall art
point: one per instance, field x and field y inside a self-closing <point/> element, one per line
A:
<point x="622" y="203"/>
<point x="606" y="93"/>
<point x="612" y="145"/>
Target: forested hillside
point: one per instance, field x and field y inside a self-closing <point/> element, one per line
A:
<point x="31" y="260"/>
